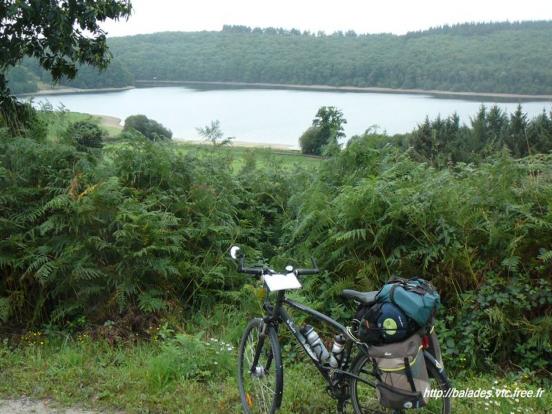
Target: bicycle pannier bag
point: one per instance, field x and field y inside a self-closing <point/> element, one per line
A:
<point x="417" y="298"/>
<point x="383" y="322"/>
<point x="366" y="327"/>
<point x="403" y="379"/>
<point x="434" y="347"/>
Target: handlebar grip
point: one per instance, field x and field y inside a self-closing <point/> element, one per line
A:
<point x="307" y="271"/>
<point x="251" y="270"/>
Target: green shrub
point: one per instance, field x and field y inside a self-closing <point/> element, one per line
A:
<point x="149" y="128"/>
<point x="323" y="135"/>
<point x="142" y="230"/>
<point x="310" y="141"/>
<point x="506" y="319"/>
<point x="85" y="134"/>
<point x="480" y="234"/>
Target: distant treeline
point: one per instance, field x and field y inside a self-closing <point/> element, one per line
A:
<point x="29" y="76"/>
<point x="443" y="142"/>
<point x="484" y="57"/>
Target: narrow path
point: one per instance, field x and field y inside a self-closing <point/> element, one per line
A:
<point x="28" y="406"/>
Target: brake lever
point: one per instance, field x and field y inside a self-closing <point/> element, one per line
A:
<point x="314" y="263"/>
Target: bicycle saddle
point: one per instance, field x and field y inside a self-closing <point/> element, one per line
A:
<point x="363" y="297"/>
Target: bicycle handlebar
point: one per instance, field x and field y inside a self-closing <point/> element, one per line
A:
<point x="312" y="271"/>
<point x="299" y="272"/>
<point x="251" y="270"/>
<point x="258" y="271"/>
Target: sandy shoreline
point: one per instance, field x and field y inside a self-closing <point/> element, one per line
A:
<point x="242" y="144"/>
<point x="110" y="121"/>
<point x="114" y="122"/>
<point x="328" y="88"/>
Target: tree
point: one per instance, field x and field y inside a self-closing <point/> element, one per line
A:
<point x="309" y="141"/>
<point x="213" y="134"/>
<point x="326" y="129"/>
<point x="151" y="129"/>
<point x="85" y="134"/>
<point x="60" y="34"/>
<point x="517" y="136"/>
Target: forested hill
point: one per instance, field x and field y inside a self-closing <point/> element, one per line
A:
<point x="487" y="57"/>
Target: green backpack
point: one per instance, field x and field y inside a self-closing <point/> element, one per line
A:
<point x="416" y="297"/>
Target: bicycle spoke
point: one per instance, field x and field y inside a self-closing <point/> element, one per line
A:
<point x="259" y="385"/>
<point x="368" y="401"/>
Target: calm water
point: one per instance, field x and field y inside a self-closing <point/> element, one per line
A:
<point x="273" y="116"/>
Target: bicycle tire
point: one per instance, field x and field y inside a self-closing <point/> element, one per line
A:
<point x="374" y="407"/>
<point x="256" y="395"/>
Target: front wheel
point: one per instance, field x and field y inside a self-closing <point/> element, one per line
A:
<point x="261" y="383"/>
<point x="365" y="399"/>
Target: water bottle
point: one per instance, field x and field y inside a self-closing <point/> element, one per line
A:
<point x="337" y="348"/>
<point x="322" y="354"/>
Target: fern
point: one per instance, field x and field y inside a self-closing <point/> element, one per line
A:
<point x="545" y="255"/>
<point x="5" y="309"/>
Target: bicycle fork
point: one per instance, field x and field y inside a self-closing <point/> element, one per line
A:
<point x="255" y="369"/>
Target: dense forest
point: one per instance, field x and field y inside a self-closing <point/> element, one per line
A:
<point x="483" y="57"/>
<point x="30" y="77"/>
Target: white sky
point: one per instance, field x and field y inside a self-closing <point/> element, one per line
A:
<point x="362" y="16"/>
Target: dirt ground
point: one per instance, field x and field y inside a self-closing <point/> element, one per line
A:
<point x="27" y="406"/>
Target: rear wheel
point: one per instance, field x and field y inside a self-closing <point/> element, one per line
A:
<point x="365" y="399"/>
<point x="260" y="385"/>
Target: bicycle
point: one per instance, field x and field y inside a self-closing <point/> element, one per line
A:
<point x="352" y="380"/>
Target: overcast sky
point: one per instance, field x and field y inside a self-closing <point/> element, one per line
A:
<point x="362" y="16"/>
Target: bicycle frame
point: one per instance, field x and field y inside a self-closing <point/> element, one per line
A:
<point x="340" y="380"/>
<point x="278" y="314"/>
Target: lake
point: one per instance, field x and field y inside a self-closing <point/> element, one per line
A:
<point x="274" y="116"/>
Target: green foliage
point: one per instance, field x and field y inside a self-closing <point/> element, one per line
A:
<point x="58" y="34"/>
<point x="213" y="134"/>
<point x="85" y="134"/>
<point x="143" y="228"/>
<point x="375" y="213"/>
<point x="25" y="78"/>
<point x="115" y="76"/>
<point x="149" y="128"/>
<point x="326" y="130"/>
<point x="152" y="377"/>
<point x="20" y="118"/>
<point x="505" y="319"/>
<point x="310" y="141"/>
<point x="442" y="142"/>
<point x="468" y="57"/>
<point x="22" y="80"/>
<point x="187" y="357"/>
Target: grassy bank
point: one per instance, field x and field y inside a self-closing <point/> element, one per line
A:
<point x="240" y="155"/>
<point x="188" y="374"/>
<point x="58" y="121"/>
<point x="251" y="157"/>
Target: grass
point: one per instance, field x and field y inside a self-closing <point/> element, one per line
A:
<point x="243" y="156"/>
<point x="185" y="374"/>
<point x="239" y="156"/>
<point x="58" y="121"/>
